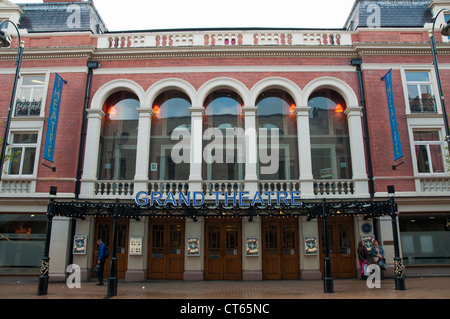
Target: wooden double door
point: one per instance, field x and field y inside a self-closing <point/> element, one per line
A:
<point x="341" y="247"/>
<point x="280" y="248"/>
<point x="104" y="231"/>
<point x="166" y="248"/>
<point x="223" y="249"/>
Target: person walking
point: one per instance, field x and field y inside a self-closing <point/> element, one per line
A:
<point x="100" y="261"/>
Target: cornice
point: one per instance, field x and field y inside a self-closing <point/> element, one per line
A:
<point x="81" y="52"/>
<point x="357" y="49"/>
<point x="223" y="52"/>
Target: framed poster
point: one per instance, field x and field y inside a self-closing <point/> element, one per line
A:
<point x="252" y="247"/>
<point x="79" y="244"/>
<point x="136" y="246"/>
<point x="311" y="245"/>
<point x="367" y="241"/>
<point x="193" y="246"/>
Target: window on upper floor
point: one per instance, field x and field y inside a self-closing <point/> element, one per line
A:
<point x="276" y="112"/>
<point x="420" y="94"/>
<point x="30" y="95"/>
<point x="429" y="151"/>
<point x="171" y="123"/>
<point x="23" y="151"/>
<point x="222" y="139"/>
<point x="118" y="139"/>
<point x="330" y="141"/>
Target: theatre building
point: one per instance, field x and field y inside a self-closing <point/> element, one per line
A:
<point x="224" y="154"/>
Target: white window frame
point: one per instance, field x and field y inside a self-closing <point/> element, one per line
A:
<point x="23" y="74"/>
<point x="432" y="83"/>
<point x="413" y="144"/>
<point x="37" y="155"/>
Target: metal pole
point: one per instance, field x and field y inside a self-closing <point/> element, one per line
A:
<point x="436" y="69"/>
<point x="398" y="264"/>
<point x="45" y="264"/>
<point x="112" y="281"/>
<point x="327" y="276"/>
<point x="13" y="95"/>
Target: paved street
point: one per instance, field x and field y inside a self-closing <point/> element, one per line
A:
<point x="416" y="288"/>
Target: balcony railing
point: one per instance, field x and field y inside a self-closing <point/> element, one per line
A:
<point x="114" y="188"/>
<point x="334" y="187"/>
<point x="225" y="38"/>
<point x="13" y="187"/>
<point x="213" y="189"/>
<point x="423" y="105"/>
<point x="435" y="185"/>
<point x="28" y="108"/>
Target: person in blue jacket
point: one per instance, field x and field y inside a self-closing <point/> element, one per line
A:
<point x="100" y="261"/>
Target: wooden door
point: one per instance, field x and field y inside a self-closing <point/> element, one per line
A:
<point x="104" y="230"/>
<point x="280" y="251"/>
<point x="341" y="245"/>
<point x="223" y="253"/>
<point x="166" y="244"/>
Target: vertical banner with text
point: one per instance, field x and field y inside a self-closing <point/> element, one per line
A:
<point x="52" y="123"/>
<point x="398" y="153"/>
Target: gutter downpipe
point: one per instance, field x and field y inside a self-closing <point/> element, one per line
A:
<point x="91" y="65"/>
<point x="357" y="63"/>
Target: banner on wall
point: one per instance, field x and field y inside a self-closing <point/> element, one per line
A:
<point x="398" y="153"/>
<point x="53" y="115"/>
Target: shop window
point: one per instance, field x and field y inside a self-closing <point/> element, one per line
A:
<point x="223" y="138"/>
<point x="330" y="142"/>
<point x="30" y="96"/>
<point x="23" y="153"/>
<point x="22" y="241"/>
<point x="276" y="111"/>
<point x="420" y="96"/>
<point x="428" y="148"/>
<point x="171" y="127"/>
<point x="119" y="137"/>
<point x="425" y="239"/>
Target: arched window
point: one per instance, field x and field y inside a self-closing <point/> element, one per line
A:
<point x="119" y="137"/>
<point x="330" y="143"/>
<point x="276" y="111"/>
<point x="223" y="137"/>
<point x="171" y="119"/>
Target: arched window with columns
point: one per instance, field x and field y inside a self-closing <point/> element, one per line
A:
<point x="275" y="113"/>
<point x="223" y="136"/>
<point x="118" y="139"/>
<point x="330" y="141"/>
<point x="171" y="127"/>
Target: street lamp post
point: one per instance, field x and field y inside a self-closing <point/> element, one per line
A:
<point x="445" y="32"/>
<point x="4" y="43"/>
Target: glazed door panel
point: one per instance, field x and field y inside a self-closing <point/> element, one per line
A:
<point x="223" y="253"/>
<point x="166" y="249"/>
<point x="280" y="253"/>
<point x="341" y="247"/>
<point x="104" y="230"/>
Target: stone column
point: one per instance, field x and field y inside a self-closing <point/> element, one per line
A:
<point x="195" y="176"/>
<point x="304" y="152"/>
<point x="357" y="150"/>
<point x="251" y="152"/>
<point x="143" y="150"/>
<point x="90" y="166"/>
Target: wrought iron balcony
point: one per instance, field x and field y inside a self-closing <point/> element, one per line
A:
<point x="423" y="105"/>
<point x="28" y="108"/>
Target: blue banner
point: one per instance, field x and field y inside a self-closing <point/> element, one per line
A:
<point x="53" y="115"/>
<point x="398" y="153"/>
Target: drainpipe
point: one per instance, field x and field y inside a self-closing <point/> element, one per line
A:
<point x="357" y="63"/>
<point x="91" y="65"/>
